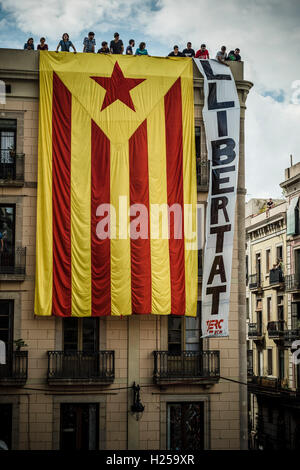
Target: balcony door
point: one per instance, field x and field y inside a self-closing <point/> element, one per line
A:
<point x="295" y="315"/>
<point x="81" y="346"/>
<point x="6" y="334"/>
<point x="258" y="267"/>
<point x="297" y="264"/>
<point x="281" y="369"/>
<point x="7" y="238"/>
<point x="81" y="334"/>
<point x="185" y="426"/>
<point x="184" y="346"/>
<point x="184" y="333"/>
<point x="8" y="128"/>
<point x="79" y="425"/>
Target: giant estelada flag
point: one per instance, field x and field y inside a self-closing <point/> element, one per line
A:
<point x="116" y="162"/>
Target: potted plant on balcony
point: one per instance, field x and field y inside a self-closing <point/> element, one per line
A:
<point x="19" y="343"/>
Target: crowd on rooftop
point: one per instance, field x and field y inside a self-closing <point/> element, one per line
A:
<point x="116" y="46"/>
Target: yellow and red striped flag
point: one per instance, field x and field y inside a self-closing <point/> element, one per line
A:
<point x="116" y="133"/>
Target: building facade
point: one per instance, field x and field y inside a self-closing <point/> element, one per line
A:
<point x="69" y="383"/>
<point x="273" y="377"/>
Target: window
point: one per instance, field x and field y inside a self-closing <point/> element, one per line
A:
<point x="269" y="301"/>
<point x="270" y="361"/>
<point x="258" y="267"/>
<point x="81" y="334"/>
<point x="6" y="329"/>
<point x="79" y="424"/>
<point x="295" y="315"/>
<point x="184" y="332"/>
<point x="268" y="255"/>
<point x="249" y="362"/>
<point x="280" y="308"/>
<point x="185" y="426"/>
<point x="7" y="236"/>
<point x="8" y="131"/>
<point x="198" y="141"/>
<point x="6" y="424"/>
<point x="293" y="217"/>
<point x="279" y="254"/>
<point x="260" y="363"/>
<point x="281" y="367"/>
<point x="174" y="333"/>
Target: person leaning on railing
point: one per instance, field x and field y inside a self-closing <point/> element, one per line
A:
<point x="29" y="46"/>
<point x="65" y="44"/>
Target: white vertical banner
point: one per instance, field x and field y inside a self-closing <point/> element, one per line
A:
<point x="221" y="115"/>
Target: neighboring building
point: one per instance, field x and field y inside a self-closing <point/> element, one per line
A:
<point x="273" y="384"/>
<point x="71" y="385"/>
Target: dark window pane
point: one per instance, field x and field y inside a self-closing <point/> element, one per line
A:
<point x="70" y="334"/>
<point x="174" y="333"/>
<point x="90" y="329"/>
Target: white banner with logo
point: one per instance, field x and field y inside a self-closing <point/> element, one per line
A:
<point x="221" y="115"/>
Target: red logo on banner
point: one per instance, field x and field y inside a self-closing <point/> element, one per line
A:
<point x="214" y="327"/>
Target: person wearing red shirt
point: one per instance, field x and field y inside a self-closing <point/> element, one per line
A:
<point x="202" y="53"/>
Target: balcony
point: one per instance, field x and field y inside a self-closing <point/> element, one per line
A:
<point x="197" y="367"/>
<point x="276" y="278"/>
<point x="276" y="329"/>
<point x="292" y="283"/>
<point x="266" y="384"/>
<point x="13" y="265"/>
<point x="11" y="168"/>
<point x="72" y="367"/>
<point x="291" y="335"/>
<point x="255" y="331"/>
<point x="14" y="373"/>
<point x="202" y="174"/>
<point x="254" y="281"/>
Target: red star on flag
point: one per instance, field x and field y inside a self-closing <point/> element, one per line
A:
<point x="117" y="87"/>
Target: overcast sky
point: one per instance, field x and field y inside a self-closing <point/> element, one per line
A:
<point x="266" y="31"/>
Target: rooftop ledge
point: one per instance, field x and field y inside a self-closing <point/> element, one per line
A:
<point x="26" y="65"/>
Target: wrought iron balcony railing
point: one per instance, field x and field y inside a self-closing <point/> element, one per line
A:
<point x="254" y="281"/>
<point x="13" y="262"/>
<point x="272" y="383"/>
<point x="81" y="366"/>
<point x="292" y="282"/>
<point x="276" y="329"/>
<point x="14" y="372"/>
<point x="202" y="174"/>
<point x="276" y="276"/>
<point x="11" y="167"/>
<point x="291" y="335"/>
<point x="186" y="365"/>
<point x="255" y="330"/>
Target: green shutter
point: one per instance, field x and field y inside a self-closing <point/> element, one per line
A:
<point x="291" y="216"/>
